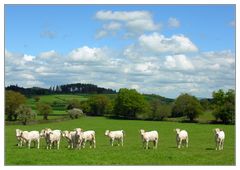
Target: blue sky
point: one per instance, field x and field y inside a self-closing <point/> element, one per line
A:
<point x="162" y="49"/>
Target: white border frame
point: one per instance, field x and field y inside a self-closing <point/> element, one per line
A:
<point x="3" y="2"/>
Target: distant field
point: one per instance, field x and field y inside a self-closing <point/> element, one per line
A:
<point x="200" y="152"/>
<point x="59" y="100"/>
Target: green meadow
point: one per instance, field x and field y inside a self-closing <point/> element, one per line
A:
<point x="201" y="149"/>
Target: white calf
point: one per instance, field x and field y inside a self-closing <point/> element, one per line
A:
<point x="19" y="139"/>
<point x="219" y="138"/>
<point x="43" y="134"/>
<point x="51" y="137"/>
<point x="70" y="136"/>
<point x="31" y="136"/>
<point x="181" y="136"/>
<point x="118" y="135"/>
<point x="85" y="136"/>
<point x="148" y="137"/>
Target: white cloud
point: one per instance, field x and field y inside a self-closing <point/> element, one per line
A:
<point x="142" y="25"/>
<point x="112" y="26"/>
<point x="133" y="22"/>
<point x="173" y="22"/>
<point x="174" y="44"/>
<point x="49" y="54"/>
<point x="178" y="62"/>
<point x="122" y="15"/>
<point x="139" y="68"/>
<point x="86" y="54"/>
<point x="28" y="57"/>
<point x="27" y="76"/>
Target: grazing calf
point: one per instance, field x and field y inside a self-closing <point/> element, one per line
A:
<point x="31" y="136"/>
<point x="81" y="137"/>
<point x="43" y="134"/>
<point x="181" y="137"/>
<point x="70" y="136"/>
<point x="219" y="138"/>
<point x="148" y="137"/>
<point x="118" y="135"/>
<point x="20" y="140"/>
<point x="51" y="136"/>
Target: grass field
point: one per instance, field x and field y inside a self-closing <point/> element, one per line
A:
<point x="201" y="149"/>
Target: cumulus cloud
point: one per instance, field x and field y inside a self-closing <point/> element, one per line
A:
<point x="48" y="55"/>
<point x="165" y="74"/>
<point x="173" y="22"/>
<point x="134" y="22"/>
<point x="122" y="15"/>
<point x="112" y="26"/>
<point x="174" y="44"/>
<point x="178" y="62"/>
<point x="87" y="54"/>
<point x="28" y="57"/>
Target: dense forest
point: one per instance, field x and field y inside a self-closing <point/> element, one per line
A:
<point x="62" y="89"/>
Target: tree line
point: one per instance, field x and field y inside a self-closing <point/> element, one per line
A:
<point x="62" y="89"/>
<point x="130" y="104"/>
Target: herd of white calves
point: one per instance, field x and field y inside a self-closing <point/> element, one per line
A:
<point x="78" y="138"/>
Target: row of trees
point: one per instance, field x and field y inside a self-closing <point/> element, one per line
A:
<point x="62" y="89"/>
<point x="129" y="104"/>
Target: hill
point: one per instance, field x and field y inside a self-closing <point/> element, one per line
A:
<point x="77" y="88"/>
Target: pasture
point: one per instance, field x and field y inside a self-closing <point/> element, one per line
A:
<point x="201" y="149"/>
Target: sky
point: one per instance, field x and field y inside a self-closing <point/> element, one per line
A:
<point x="155" y="49"/>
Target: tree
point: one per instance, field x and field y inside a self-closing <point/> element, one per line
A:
<point x="13" y="101"/>
<point x="159" y="110"/>
<point x="99" y="105"/>
<point x="224" y="105"/>
<point x="44" y="109"/>
<point x="130" y="104"/>
<point x="187" y="105"/>
<point x="75" y="113"/>
<point x="25" y="114"/>
<point x="74" y="103"/>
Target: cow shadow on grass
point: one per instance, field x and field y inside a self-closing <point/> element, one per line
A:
<point x="209" y="149"/>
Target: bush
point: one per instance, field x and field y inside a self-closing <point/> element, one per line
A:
<point x="75" y="113"/>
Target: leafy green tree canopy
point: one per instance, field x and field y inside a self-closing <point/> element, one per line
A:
<point x="99" y="105"/>
<point x="13" y="101"/>
<point x="224" y="105"/>
<point x="159" y="110"/>
<point x="187" y="105"/>
<point x="25" y="114"/>
<point x="44" y="109"/>
<point x="131" y="104"/>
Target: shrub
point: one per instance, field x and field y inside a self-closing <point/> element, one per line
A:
<point x="25" y="114"/>
<point x="75" y="113"/>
